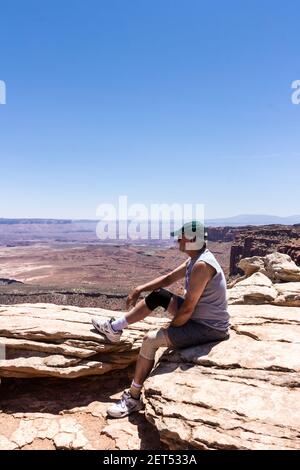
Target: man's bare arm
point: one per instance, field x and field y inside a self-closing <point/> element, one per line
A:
<point x="162" y="281"/>
<point x="200" y="276"/>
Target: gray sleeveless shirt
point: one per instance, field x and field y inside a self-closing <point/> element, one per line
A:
<point x="211" y="309"/>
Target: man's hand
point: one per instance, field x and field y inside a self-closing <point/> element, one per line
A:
<point x="162" y="281"/>
<point x="133" y="297"/>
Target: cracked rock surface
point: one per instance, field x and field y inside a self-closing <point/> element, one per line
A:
<point x="50" y="413"/>
<point x="44" y="343"/>
<point x="237" y="394"/>
<point x="274" y="279"/>
<point x="46" y="340"/>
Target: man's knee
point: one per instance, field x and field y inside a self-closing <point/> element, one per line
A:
<point x="158" y="298"/>
<point x="152" y="341"/>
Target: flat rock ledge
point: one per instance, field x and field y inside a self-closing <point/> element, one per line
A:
<point x="45" y="340"/>
<point x="237" y="394"/>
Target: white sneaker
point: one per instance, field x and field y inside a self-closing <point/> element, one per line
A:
<point x="125" y="406"/>
<point x="104" y="327"/>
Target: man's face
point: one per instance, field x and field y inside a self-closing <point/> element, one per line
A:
<point x="183" y="243"/>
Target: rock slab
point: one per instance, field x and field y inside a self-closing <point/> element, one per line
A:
<point x="242" y="393"/>
<point x="45" y="340"/>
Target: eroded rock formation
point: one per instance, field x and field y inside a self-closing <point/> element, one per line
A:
<point x="51" y="413"/>
<point x="242" y="393"/>
<point x="44" y="340"/>
<point x="237" y="394"/>
<point x="274" y="279"/>
<point x="260" y="241"/>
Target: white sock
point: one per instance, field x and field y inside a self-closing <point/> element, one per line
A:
<point x="135" y="390"/>
<point x="119" y="324"/>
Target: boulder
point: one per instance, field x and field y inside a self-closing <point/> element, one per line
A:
<point x="288" y="294"/>
<point x="252" y="265"/>
<point x="41" y="340"/>
<point x="281" y="267"/>
<point x="255" y="289"/>
<point x="237" y="394"/>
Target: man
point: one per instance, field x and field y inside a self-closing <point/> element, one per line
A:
<point x="199" y="317"/>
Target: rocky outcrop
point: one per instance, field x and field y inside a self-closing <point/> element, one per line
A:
<point x="221" y="234"/>
<point x="265" y="281"/>
<point x="20" y="293"/>
<point x="280" y="267"/>
<point x="259" y="289"/>
<point x="277" y="266"/>
<point x="288" y="294"/>
<point x="252" y="265"/>
<point x="8" y="282"/>
<point x="44" y="340"/>
<point x="241" y="393"/>
<point x="260" y="241"/>
<point x="255" y="289"/>
<point x="54" y="414"/>
<point x="237" y="394"/>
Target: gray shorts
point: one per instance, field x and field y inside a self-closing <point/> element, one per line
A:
<point x="193" y="333"/>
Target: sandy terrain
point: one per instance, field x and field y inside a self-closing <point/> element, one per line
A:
<point x="111" y="268"/>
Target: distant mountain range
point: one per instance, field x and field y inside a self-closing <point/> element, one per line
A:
<point x="253" y="219"/>
<point x="4" y="221"/>
<point x="237" y="220"/>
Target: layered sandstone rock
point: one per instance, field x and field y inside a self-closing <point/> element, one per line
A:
<point x="277" y="266"/>
<point x="281" y="267"/>
<point x="43" y="340"/>
<point x="238" y="394"/>
<point x="51" y="413"/>
<point x="255" y="289"/>
<point x="266" y="280"/>
<point x="252" y="265"/>
<point x="263" y="240"/>
<point x="288" y="294"/>
<point x="241" y="393"/>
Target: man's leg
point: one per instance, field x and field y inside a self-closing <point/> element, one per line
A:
<point x="130" y="401"/>
<point x="142" y="370"/>
<point x="137" y="313"/>
<point x="161" y="298"/>
<point x="158" y="298"/>
<point x="144" y="365"/>
<point x="145" y="361"/>
<point x="112" y="329"/>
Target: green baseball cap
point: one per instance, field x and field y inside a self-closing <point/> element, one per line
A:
<point x="191" y="229"/>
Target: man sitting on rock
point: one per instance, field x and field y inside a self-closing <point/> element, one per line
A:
<point x="201" y="316"/>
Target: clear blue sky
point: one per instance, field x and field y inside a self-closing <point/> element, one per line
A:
<point x="161" y="100"/>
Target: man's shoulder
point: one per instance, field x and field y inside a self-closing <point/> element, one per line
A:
<point x="202" y="266"/>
